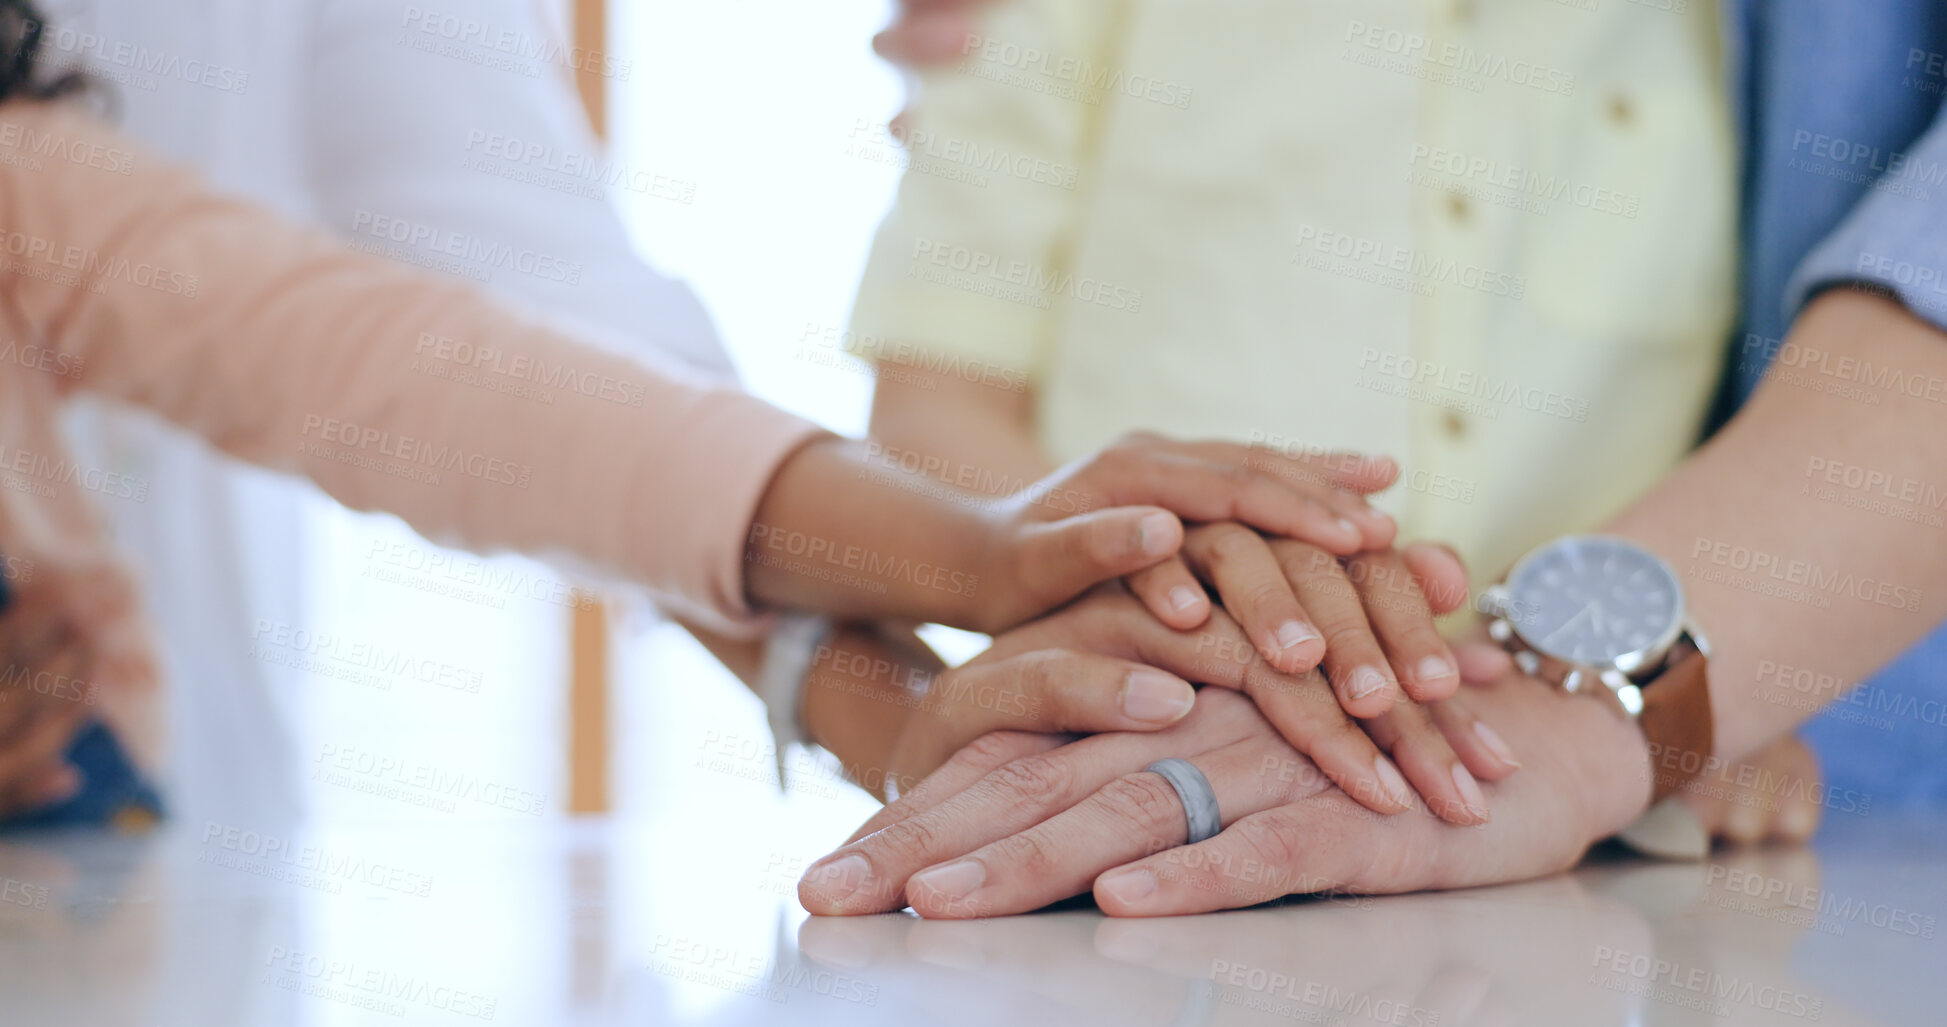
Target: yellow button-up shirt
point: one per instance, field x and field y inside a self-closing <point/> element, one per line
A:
<point x="1493" y="238"/>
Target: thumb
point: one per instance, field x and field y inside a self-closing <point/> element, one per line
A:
<point x="1059" y="560"/>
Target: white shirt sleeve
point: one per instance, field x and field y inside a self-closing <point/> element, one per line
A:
<point x="453" y="139"/>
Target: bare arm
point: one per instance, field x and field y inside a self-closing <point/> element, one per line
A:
<point x="1780" y="573"/>
<point x="984" y="433"/>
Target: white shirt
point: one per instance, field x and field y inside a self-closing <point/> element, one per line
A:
<point x="448" y="139"/>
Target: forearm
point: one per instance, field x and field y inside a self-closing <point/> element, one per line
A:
<point x="845" y="530"/>
<point x="976" y="434"/>
<point x="1779" y="572"/>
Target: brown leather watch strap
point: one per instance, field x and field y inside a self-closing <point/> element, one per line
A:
<point x="1676" y="721"/>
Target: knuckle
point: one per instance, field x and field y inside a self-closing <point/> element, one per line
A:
<point x="994" y="747"/>
<point x="909" y="839"/>
<point x="1268" y="839"/>
<point x="1348" y="638"/>
<point x="1036" y="781"/>
<point x="1229" y="544"/>
<point x="1028" y="853"/>
<point x="1267" y="594"/>
<point x="1145" y="799"/>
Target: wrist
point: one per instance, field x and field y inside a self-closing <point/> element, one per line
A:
<point x="1615" y="766"/>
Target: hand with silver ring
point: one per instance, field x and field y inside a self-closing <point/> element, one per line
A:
<point x="1194" y="791"/>
<point x="1017" y="820"/>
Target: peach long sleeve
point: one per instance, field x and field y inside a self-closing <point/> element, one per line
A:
<point x="392" y="389"/>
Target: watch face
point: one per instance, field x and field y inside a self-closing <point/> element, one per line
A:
<point x="1592" y="599"/>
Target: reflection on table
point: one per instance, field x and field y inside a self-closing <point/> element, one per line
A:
<point x="650" y="923"/>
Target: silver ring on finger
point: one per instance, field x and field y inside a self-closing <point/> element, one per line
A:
<point x="1199" y="799"/>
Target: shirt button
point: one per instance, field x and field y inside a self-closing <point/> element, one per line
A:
<point x="1460" y="10"/>
<point x="1453" y="424"/>
<point x="1458" y="207"/>
<point x="1621" y="110"/>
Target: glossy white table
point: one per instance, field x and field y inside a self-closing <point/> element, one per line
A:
<point x="556" y="923"/>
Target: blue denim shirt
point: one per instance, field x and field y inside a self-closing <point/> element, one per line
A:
<point x="1845" y="180"/>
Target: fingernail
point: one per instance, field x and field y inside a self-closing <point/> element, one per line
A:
<point x="1182" y="598"/>
<point x="1292" y="634"/>
<point x="1129" y="886"/>
<point x="1364" y="682"/>
<point x="838" y="880"/>
<point x="1155" y="697"/>
<point x="1435" y="668"/>
<point x="1495" y="743"/>
<point x="1346" y="525"/>
<point x="1391" y="781"/>
<point x="952" y="881"/>
<point x="1158" y="534"/>
<point x="1470" y="791"/>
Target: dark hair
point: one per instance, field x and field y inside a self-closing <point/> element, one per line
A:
<point x="20" y="44"/>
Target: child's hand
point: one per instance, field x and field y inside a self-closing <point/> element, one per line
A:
<point x="1368" y="623"/>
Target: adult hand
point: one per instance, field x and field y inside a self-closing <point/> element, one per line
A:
<point x="1117" y="511"/>
<point x="1008" y="825"/>
<point x="63" y="636"/>
<point x="1376" y="612"/>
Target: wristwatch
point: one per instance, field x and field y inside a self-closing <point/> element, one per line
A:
<point x="1599" y="614"/>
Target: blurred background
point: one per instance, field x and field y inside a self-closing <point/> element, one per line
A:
<point x="773" y="240"/>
